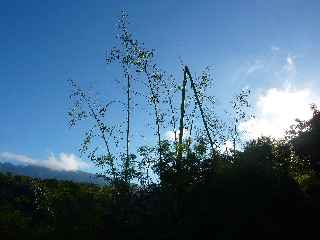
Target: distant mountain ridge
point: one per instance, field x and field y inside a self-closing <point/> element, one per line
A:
<point x="46" y="173"/>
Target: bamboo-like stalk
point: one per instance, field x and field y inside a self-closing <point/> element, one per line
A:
<point x="187" y="72"/>
<point x="191" y="128"/>
<point x="234" y="141"/>
<point x="181" y="126"/>
<point x="127" y="163"/>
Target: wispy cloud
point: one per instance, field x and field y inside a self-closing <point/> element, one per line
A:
<point x="290" y="66"/>
<point x="287" y="73"/>
<point x="64" y="161"/>
<point x="255" y="66"/>
<point x="275" y="49"/>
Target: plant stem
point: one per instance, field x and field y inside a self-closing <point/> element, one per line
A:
<point x="128" y="128"/>
<point x="181" y="126"/>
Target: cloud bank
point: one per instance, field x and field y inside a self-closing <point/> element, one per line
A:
<point x="62" y="162"/>
<point x="277" y="109"/>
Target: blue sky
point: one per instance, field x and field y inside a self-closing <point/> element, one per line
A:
<point x="270" y="46"/>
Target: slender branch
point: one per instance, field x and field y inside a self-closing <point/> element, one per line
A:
<point x="173" y="119"/>
<point x="101" y="130"/>
<point x="95" y="116"/>
<point x="103" y="135"/>
<point x="156" y="111"/>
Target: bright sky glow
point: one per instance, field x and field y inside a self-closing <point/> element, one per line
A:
<point x="277" y="109"/>
<point x="169" y="135"/>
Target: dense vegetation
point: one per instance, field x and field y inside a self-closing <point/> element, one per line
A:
<point x="183" y="188"/>
<point x="270" y="189"/>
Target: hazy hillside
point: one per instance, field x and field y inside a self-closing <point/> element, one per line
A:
<point x="46" y="173"/>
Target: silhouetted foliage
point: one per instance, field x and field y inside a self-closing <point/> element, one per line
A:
<point x="181" y="188"/>
<point x="304" y="137"/>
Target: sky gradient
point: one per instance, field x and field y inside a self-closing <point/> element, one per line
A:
<point x="270" y="46"/>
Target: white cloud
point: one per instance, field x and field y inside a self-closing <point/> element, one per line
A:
<point x="64" y="161"/>
<point x="276" y="110"/>
<point x="278" y="107"/>
<point x="6" y="156"/>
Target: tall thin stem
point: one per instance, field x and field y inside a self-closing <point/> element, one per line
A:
<point x="234" y="141"/>
<point x="127" y="163"/>
<point x="181" y="126"/>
